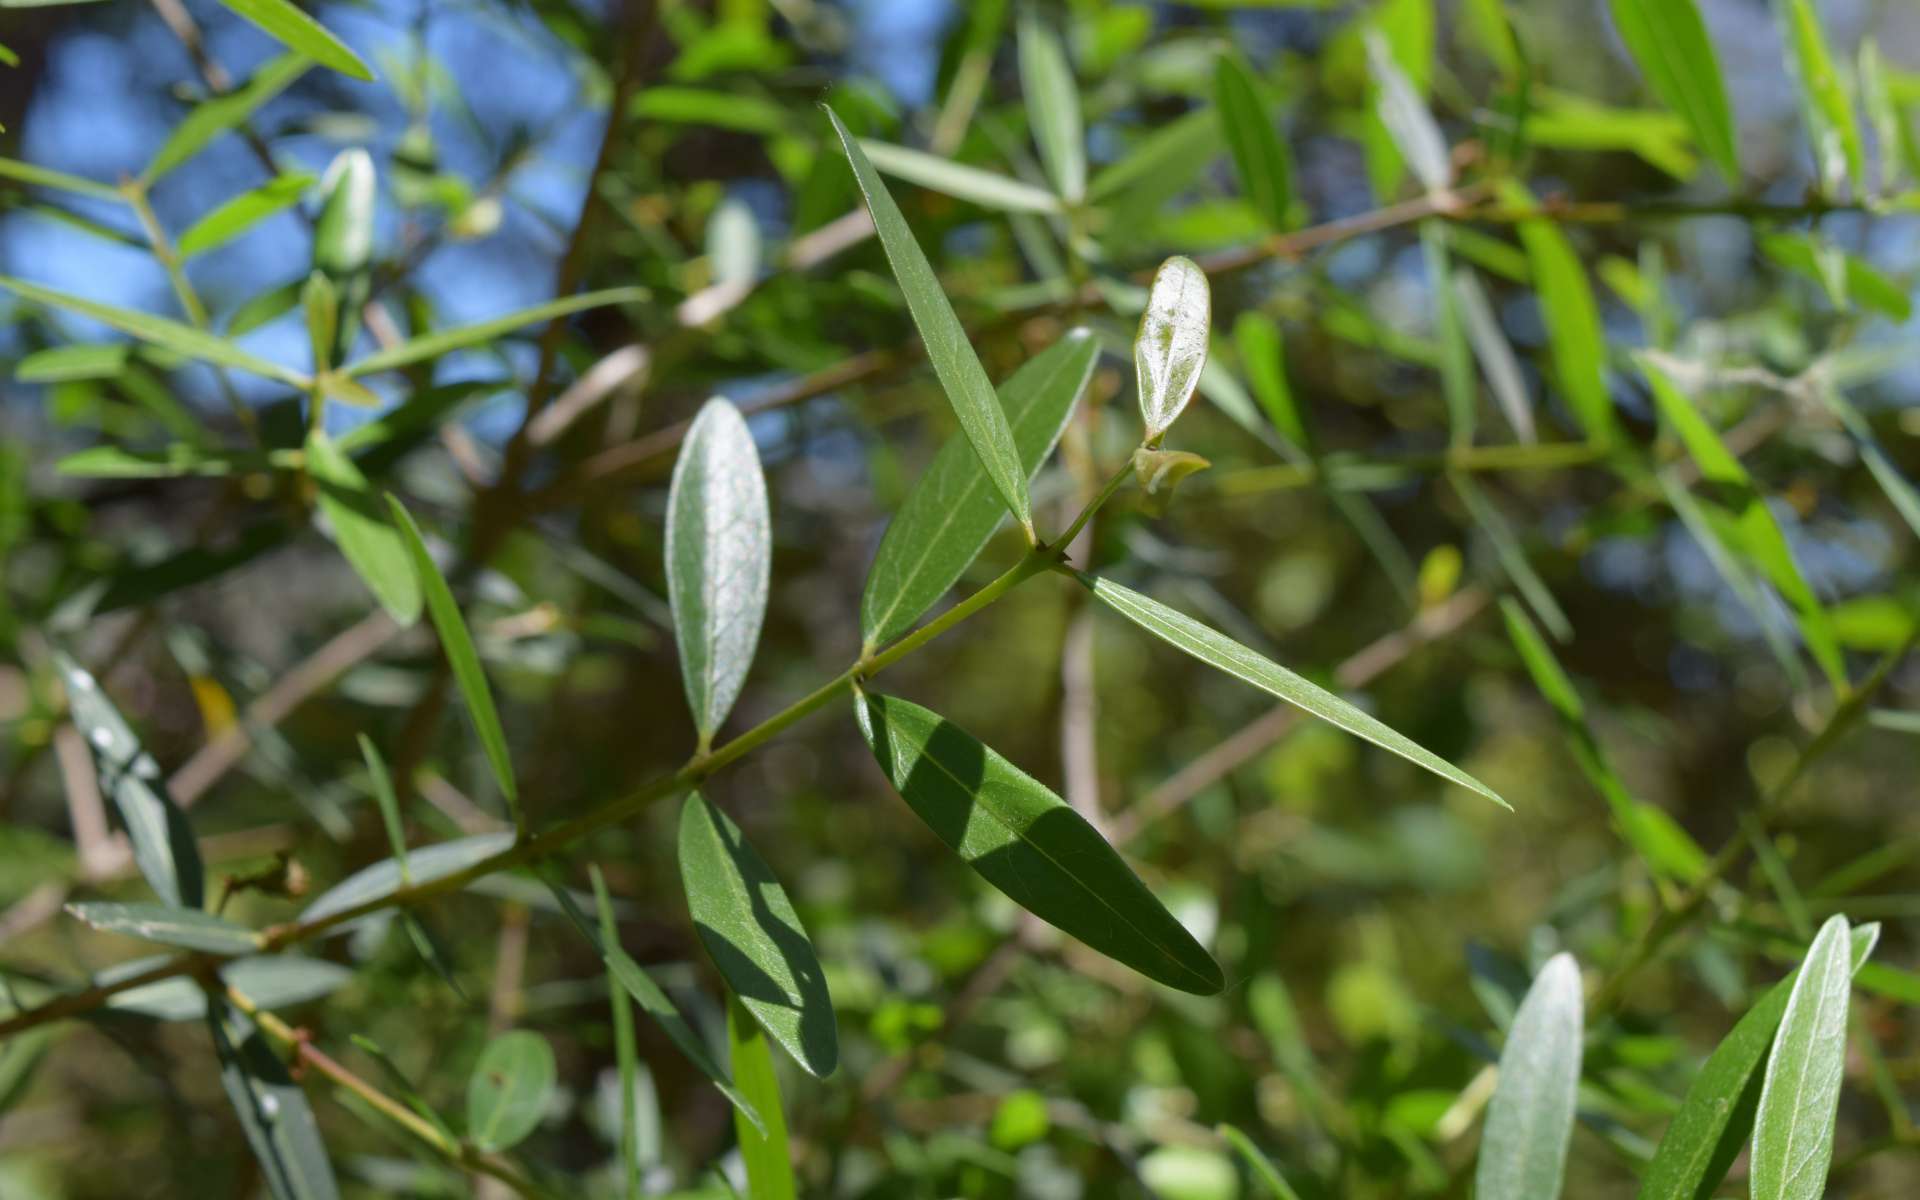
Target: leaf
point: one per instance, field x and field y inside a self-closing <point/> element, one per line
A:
<point x="626" y="1057"/>
<point x="389" y="804"/>
<point x="508" y="1092"/>
<point x="243" y="212"/>
<point x="1573" y="322"/>
<point x="1161" y="154"/>
<point x="461" y="656"/>
<point x="271" y="981"/>
<point x="1826" y="99"/>
<point x="719" y="555"/>
<point x="1259" y="156"/>
<point x="1717" y="1113"/>
<point x="424" y="865"/>
<point x="988" y="189"/>
<point x="274" y="1114"/>
<point x="1029" y="843"/>
<point x="60" y="364"/>
<point x="949" y="348"/>
<point x="753" y="935"/>
<point x="167" y="334"/>
<point x="1859" y="280"/>
<point x="363" y="529"/>
<point x="952" y="512"/>
<point x="1670" y="42"/>
<point x="163" y="842"/>
<point x="39" y="176"/>
<point x="1053" y="107"/>
<point x="1223" y="653"/>
<point x="763" y="1148"/>
<point x="1170" y="348"/>
<point x="1258" y="1164"/>
<point x="1404" y="114"/>
<point x="299" y="32"/>
<point x="433" y="345"/>
<point x="172" y="461"/>
<point x="1523" y="1152"/>
<point x="211" y="118"/>
<point x="1899" y="490"/>
<point x="1512" y="555"/>
<point x="170" y="926"/>
<point x="1491" y="348"/>
<point x="1800" y="1093"/>
<point x="1263" y="358"/>
<point x="631" y="977"/>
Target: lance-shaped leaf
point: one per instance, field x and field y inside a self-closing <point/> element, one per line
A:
<point x="1800" y="1094"/>
<point x="299" y="32"/>
<point x="1573" y="321"/>
<point x="754" y="936"/>
<point x="1490" y="346"/>
<point x="509" y="1089"/>
<point x="423" y="865"/>
<point x="1258" y="1164"/>
<point x="224" y="112"/>
<point x="948" y="347"/>
<point x="629" y="976"/>
<point x="433" y="345"/>
<point x="1899" y="490"/>
<point x="167" y="334"/>
<point x="243" y="212"/>
<point x="1826" y="98"/>
<point x="1263" y="358"/>
<point x="39" y="176"/>
<point x="1029" y="843"/>
<point x="1716" y="1115"/>
<point x="59" y="364"/>
<point x="1222" y="652"/>
<point x="988" y="189"/>
<point x="461" y="656"/>
<point x="1259" y="156"/>
<point x="1053" y="107"/>
<point x="163" y="843"/>
<point x="1523" y="1153"/>
<point x="952" y="512"/>
<point x="719" y="556"/>
<point x="270" y="981"/>
<point x="1670" y="42"/>
<point x="763" y="1147"/>
<point x="363" y="528"/>
<point x="1512" y="555"/>
<point x="190" y="928"/>
<point x="274" y="1113"/>
<point x="1170" y="350"/>
<point x="1403" y="112"/>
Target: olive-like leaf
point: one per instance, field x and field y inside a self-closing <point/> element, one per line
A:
<point x="190" y="928"/>
<point x="461" y="656"/>
<point x="1669" y="41"/>
<point x="719" y="556"/>
<point x="363" y="528"/>
<point x="274" y="1114"/>
<point x="1574" y="335"/>
<point x="271" y="981"/>
<point x="1800" y="1093"/>
<point x="988" y="189"/>
<point x="753" y="935"/>
<point x="1029" y="843"/>
<point x="163" y="842"/>
<point x="224" y="112"/>
<point x="508" y="1092"/>
<point x="763" y="1146"/>
<point x="949" y="348"/>
<point x="1260" y="158"/>
<point x="1716" y="1114"/>
<point x="1222" y="652"/>
<point x="243" y="212"/>
<point x="951" y="513"/>
<point x="1053" y="107"/>
<point x="433" y="345"/>
<point x="299" y="32"/>
<point x="1826" y="99"/>
<point x="1404" y="114"/>
<point x="1171" y="347"/>
<point x="1523" y="1153"/>
<point x="39" y="176"/>
<point x="424" y="865"/>
<point x="59" y="364"/>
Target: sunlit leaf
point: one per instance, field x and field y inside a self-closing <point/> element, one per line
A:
<point x="507" y="1094"/>
<point x="1573" y="322"/>
<point x="60" y="364"/>
<point x="763" y="1147"/>
<point x="1259" y="155"/>
<point x="1670" y="42"/>
<point x="1826" y="98"/>
<point x="216" y="116"/>
<point x="243" y="212"/>
<point x="1053" y="107"/>
<point x="299" y="32"/>
<point x="1171" y="346"/>
<point x="39" y="176"/>
<point x="363" y="528"/>
<point x="1523" y="1152"/>
<point x="189" y="928"/>
<point x="1490" y="346"/>
<point x="160" y="331"/>
<point x="985" y="188"/>
<point x="1404" y="114"/>
<point x="1800" y="1092"/>
<point x="424" y="865"/>
<point x="433" y="345"/>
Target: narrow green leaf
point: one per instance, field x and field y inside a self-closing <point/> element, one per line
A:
<point x="1029" y="843"/>
<point x="989" y="189"/>
<point x="363" y="529"/>
<point x="1170" y="348"/>
<point x="1403" y="112"/>
<point x="1512" y="555"/>
<point x="1258" y="1163"/>
<point x="243" y="212"/>
<point x="389" y="804"/>
<point x="630" y="976"/>
<point x="952" y="511"/>
<point x="719" y="556"/>
<point x="299" y="32"/>
<point x="274" y="1114"/>
<point x="163" y="843"/>
<point x="424" y="865"/>
<point x="39" y="176"/>
<point x="167" y="334"/>
<point x="59" y="364"/>
<point x="1826" y="99"/>
<point x="1491" y="348"/>
<point x="1053" y="107"/>
<point x="1670" y="42"/>
<point x="1523" y="1152"/>
<point x="754" y="936"/>
<point x="1574" y="334"/>
<point x="1259" y="156"/>
<point x="949" y="348"/>
<point x="763" y="1148"/>
<point x="1800" y="1094"/>
<point x="190" y="928"/>
<point x="1716" y="1115"/>
<point x="216" y="116"/>
<point x="1219" y="651"/>
<point x="1407" y="28"/>
<point x="507" y="1094"/>
<point x="461" y="656"/>
<point x="172" y="461"/>
<point x="1899" y="490"/>
<point x="1263" y="358"/>
<point x="433" y="345"/>
<point x="1163" y="153"/>
<point x="1858" y="279"/>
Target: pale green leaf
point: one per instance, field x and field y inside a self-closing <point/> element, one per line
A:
<point x="424" y="865"/>
<point x="1574" y="333"/>
<point x="507" y="1094"/>
<point x="433" y="345"/>
<point x="189" y="928"/>
<point x="1403" y="112"/>
<point x="1053" y="107"/>
<point x="988" y="189"/>
<point x="300" y="33"/>
<point x="1170" y="349"/>
<point x="363" y="529"/>
<point x="60" y="364"/>
<point x="274" y="1114"/>
<point x="1800" y="1093"/>
<point x="243" y="212"/>
<point x="224" y="112"/>
<point x="1523" y="1152"/>
<point x="1826" y="98"/>
<point x="763" y="1148"/>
